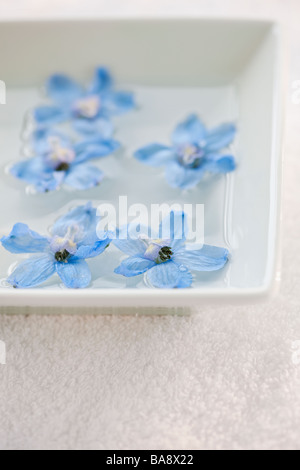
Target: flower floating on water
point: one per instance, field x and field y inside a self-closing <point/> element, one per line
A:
<point x="40" y="142"/>
<point x="73" y="240"/>
<point x="165" y="259"/>
<point x="62" y="162"/>
<point x="88" y="109"/>
<point x="195" y="151"/>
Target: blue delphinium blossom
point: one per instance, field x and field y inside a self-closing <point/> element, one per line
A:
<point x="40" y="141"/>
<point x="88" y="109"/>
<point x="73" y="240"/>
<point x="195" y="151"/>
<point x="59" y="161"/>
<point x="165" y="259"/>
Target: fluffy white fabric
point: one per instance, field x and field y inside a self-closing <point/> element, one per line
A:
<point x="226" y="378"/>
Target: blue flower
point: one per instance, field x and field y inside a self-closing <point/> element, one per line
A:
<point x="195" y="151"/>
<point x="88" y="109"/>
<point x="165" y="259"/>
<point x="59" y="161"/>
<point x="73" y="240"/>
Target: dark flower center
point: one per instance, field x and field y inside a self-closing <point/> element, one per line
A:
<point x="165" y="254"/>
<point x="63" y="166"/>
<point x="62" y="256"/>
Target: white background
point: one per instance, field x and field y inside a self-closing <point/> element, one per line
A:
<point x="227" y="378"/>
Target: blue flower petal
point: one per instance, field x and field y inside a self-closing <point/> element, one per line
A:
<point x="32" y="272"/>
<point x="40" y="140"/>
<point x="83" y="177"/>
<point x="63" y="89"/>
<point x="220" y="137"/>
<point x="34" y="171"/>
<point x="185" y="279"/>
<point x="50" y="182"/>
<point x="100" y="127"/>
<point x="84" y="217"/>
<point x="118" y="102"/>
<point x="95" y="148"/>
<point x="155" y="155"/>
<point x="191" y="131"/>
<point x="220" y="164"/>
<point x="102" y="81"/>
<point x="75" y="274"/>
<point x="174" y="227"/>
<point x="94" y="238"/>
<point x="134" y="266"/>
<point x="130" y="246"/>
<point x="91" y="251"/>
<point x="179" y="176"/>
<point x="209" y="258"/>
<point x="24" y="240"/>
<point x="49" y="115"/>
<point x="165" y="275"/>
<point x="31" y="171"/>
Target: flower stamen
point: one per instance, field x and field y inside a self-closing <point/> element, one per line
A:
<point x="63" y="167"/>
<point x="165" y="254"/>
<point x="62" y="256"/>
<point x="158" y="251"/>
<point x="191" y="156"/>
<point x="60" y="158"/>
<point x="88" y="107"/>
<point x="64" y="247"/>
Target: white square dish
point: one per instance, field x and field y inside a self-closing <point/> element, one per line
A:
<point x="224" y="71"/>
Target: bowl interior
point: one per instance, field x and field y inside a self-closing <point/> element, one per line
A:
<point x="223" y="71"/>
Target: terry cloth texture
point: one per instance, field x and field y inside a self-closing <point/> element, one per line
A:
<point x="225" y="378"/>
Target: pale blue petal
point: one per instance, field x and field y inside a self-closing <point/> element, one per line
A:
<point x="209" y="258"/>
<point x="130" y="247"/>
<point x="50" y="182"/>
<point x="220" y="137"/>
<point x="34" y="171"/>
<point x="174" y="227"/>
<point x="117" y="102"/>
<point x="63" y="89"/>
<point x="24" y="240"/>
<point x="220" y="164"/>
<point x="134" y="266"/>
<point x="190" y="131"/>
<point x="83" y="177"/>
<point x="179" y="176"/>
<point x="100" y="127"/>
<point x="32" y="272"/>
<point x="95" y="148"/>
<point x="185" y="279"/>
<point x="84" y="217"/>
<point x="75" y="274"/>
<point x="40" y="140"/>
<point x="165" y="275"/>
<point x="102" y="81"/>
<point x="31" y="171"/>
<point x="133" y="247"/>
<point x="91" y="251"/>
<point x="155" y="155"/>
<point x="49" y="115"/>
<point x="94" y="239"/>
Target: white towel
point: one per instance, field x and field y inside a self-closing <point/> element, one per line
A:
<point x="226" y="378"/>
